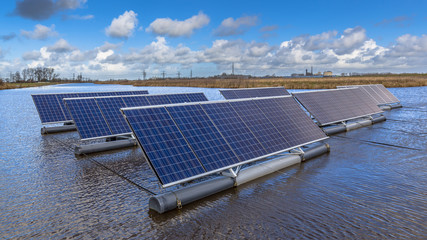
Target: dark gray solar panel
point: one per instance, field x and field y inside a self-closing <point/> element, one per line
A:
<point x="220" y="135"/>
<point x="254" y="92"/>
<point x="53" y="110"/>
<point x="332" y="106"/>
<point x="377" y="92"/>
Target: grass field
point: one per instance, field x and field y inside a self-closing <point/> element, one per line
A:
<point x="6" y="85"/>
<point x="398" y="80"/>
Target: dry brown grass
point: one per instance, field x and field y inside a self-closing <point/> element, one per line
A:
<point x="4" y="85"/>
<point x="398" y="80"/>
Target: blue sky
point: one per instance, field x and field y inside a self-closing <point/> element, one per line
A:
<point x="120" y="39"/>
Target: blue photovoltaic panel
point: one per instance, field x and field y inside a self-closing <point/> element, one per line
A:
<point x="139" y="92"/>
<point x="234" y="130"/>
<point x="110" y="108"/>
<point x="62" y="104"/>
<point x="292" y="123"/>
<point x="260" y="126"/>
<point x="377" y="92"/>
<point x="48" y="108"/>
<point x="88" y="118"/>
<point x="158" y="99"/>
<point x="229" y="94"/>
<point x="254" y="92"/>
<point x="197" y="97"/>
<point x="178" y="98"/>
<point x="166" y="148"/>
<point x="135" y="101"/>
<point x="208" y="144"/>
<point x="217" y="136"/>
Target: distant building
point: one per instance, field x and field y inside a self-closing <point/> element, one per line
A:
<point x="297" y="75"/>
<point x="327" y="73"/>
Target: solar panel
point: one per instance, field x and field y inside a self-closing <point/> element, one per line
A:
<point x="218" y="136"/>
<point x="197" y="97"/>
<point x="337" y="105"/>
<point x="51" y="108"/>
<point x="206" y="141"/>
<point x="88" y="117"/>
<point x="158" y="99"/>
<point x="170" y="156"/>
<point x="67" y="115"/>
<point x="376" y="91"/>
<point x="260" y="126"/>
<point x="48" y="108"/>
<point x="178" y="98"/>
<point x="254" y="92"/>
<point x="110" y="108"/>
<point x="293" y="124"/>
<point x="234" y="130"/>
<point x="135" y="101"/>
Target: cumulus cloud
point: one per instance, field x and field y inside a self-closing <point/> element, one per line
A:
<point x="1" y="53"/>
<point x="33" y="55"/>
<point x="176" y="28"/>
<point x="348" y="51"/>
<point x="239" y="26"/>
<point x="44" y="9"/>
<point x="61" y="46"/>
<point x="123" y="26"/>
<point x="351" y="39"/>
<point x="40" y="32"/>
<point x="8" y="37"/>
<point x="269" y="28"/>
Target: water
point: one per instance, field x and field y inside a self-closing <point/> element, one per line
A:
<point x="372" y="185"/>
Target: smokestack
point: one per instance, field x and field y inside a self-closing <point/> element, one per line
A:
<point x="311" y="70"/>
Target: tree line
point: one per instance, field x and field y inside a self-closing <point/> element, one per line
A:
<point x="38" y="74"/>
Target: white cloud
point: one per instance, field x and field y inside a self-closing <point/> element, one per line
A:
<point x="176" y="28"/>
<point x="348" y="51"/>
<point x="239" y="26"/>
<point x="123" y="26"/>
<point x="61" y="46"/>
<point x="40" y="32"/>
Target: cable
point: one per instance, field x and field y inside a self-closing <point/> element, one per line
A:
<point x="378" y="143"/>
<point x="111" y="170"/>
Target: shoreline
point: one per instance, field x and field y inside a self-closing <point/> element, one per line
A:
<point x="288" y="83"/>
<point x="389" y="81"/>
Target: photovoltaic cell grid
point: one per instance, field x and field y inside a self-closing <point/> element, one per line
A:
<point x="376" y="91"/>
<point x="254" y="92"/>
<point x="51" y="108"/>
<point x="109" y="109"/>
<point x="220" y="135"/>
<point x="332" y="106"/>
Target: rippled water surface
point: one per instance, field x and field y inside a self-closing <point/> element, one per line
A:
<point x="372" y="185"/>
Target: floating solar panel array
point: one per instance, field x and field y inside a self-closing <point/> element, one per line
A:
<point x="51" y="108"/>
<point x="378" y="92"/>
<point x="100" y="117"/>
<point x="254" y="92"/>
<point x="188" y="141"/>
<point x="337" y="105"/>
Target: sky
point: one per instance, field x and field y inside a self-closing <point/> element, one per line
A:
<point x="122" y="39"/>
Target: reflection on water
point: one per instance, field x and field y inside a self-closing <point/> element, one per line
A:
<point x="359" y="190"/>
